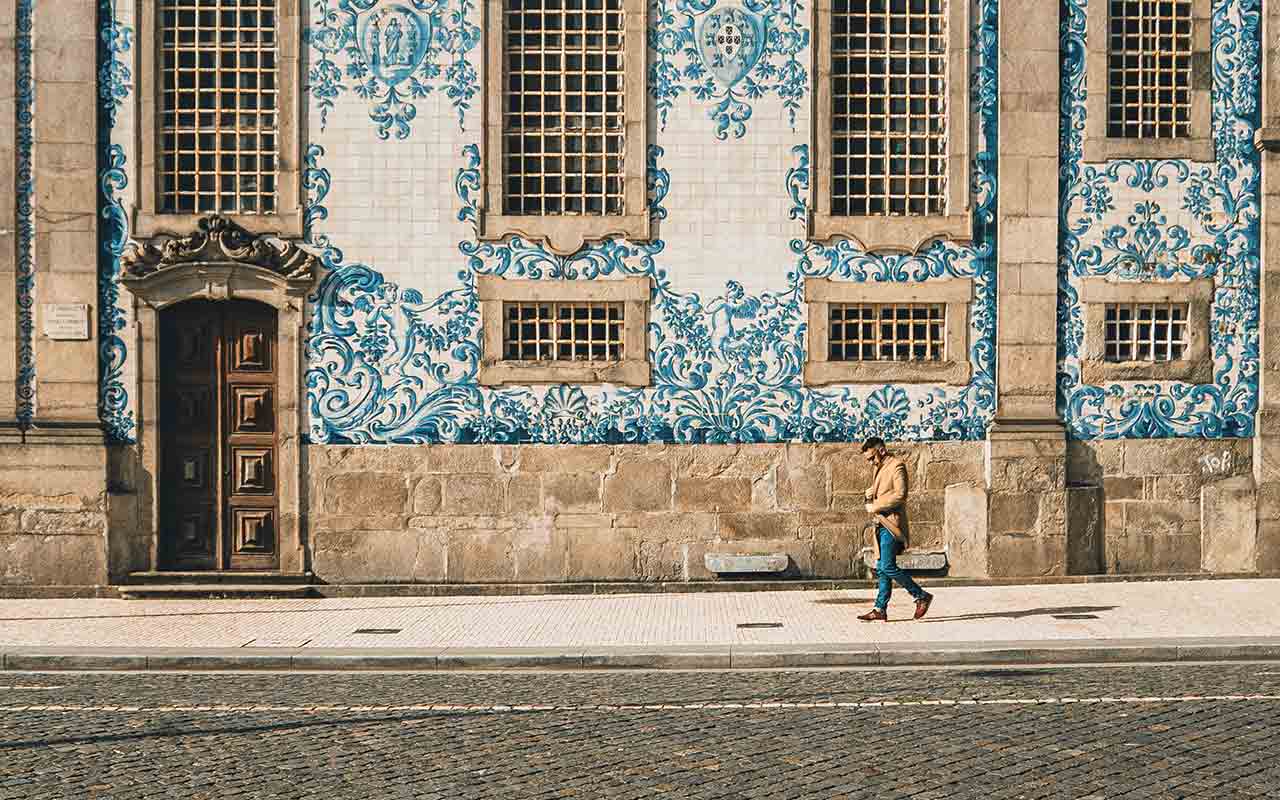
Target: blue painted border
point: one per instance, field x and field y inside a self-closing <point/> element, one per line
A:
<point x="25" y="191"/>
<point x="115" y="41"/>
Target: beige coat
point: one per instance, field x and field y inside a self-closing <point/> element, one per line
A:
<point x="887" y="495"/>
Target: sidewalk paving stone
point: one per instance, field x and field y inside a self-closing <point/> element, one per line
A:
<point x="1187" y="620"/>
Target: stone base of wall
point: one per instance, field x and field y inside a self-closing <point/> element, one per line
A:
<point x="53" y="520"/>
<point x="77" y="514"/>
<point x="1165" y="506"/>
<point x="537" y="513"/>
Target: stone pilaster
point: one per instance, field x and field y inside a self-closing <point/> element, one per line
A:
<point x="1026" y="449"/>
<point x="1266" y="462"/>
<point x="53" y="528"/>
<point x="66" y="191"/>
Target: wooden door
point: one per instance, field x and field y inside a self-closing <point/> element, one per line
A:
<point x="218" y="433"/>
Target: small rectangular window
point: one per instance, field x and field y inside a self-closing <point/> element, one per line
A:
<point x="1150" y="332"/>
<point x="887" y="332"/>
<point x="1149" y="69"/>
<point x="564" y="112"/>
<point x="580" y="331"/>
<point x="889" y="107"/>
<point x="217" y="122"/>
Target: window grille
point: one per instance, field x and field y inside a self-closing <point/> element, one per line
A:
<point x="563" y="331"/>
<point x="888" y="97"/>
<point x="1149" y="69"/>
<point x="217" y="123"/>
<point x="887" y="331"/>
<point x="563" y="117"/>
<point x="1145" y="331"/>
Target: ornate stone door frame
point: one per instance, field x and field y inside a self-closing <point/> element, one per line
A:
<point x="221" y="261"/>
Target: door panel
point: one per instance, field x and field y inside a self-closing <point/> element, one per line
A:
<point x="251" y="471"/>
<point x="252" y="409"/>
<point x="189" y="431"/>
<point x="217" y="420"/>
<point x="249" y="442"/>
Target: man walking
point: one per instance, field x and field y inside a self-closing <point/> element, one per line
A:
<point x="887" y="503"/>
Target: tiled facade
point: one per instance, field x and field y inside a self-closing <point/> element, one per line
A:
<point x="408" y="467"/>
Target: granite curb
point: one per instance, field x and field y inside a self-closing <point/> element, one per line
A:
<point x="665" y="657"/>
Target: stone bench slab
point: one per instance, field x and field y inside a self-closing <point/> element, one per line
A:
<point x="910" y="560"/>
<point x="728" y="562"/>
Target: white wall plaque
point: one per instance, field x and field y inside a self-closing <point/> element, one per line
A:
<point x="66" y="320"/>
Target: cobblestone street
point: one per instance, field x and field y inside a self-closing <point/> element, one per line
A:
<point x="1115" y="732"/>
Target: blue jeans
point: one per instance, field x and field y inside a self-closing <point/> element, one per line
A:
<point x="887" y="569"/>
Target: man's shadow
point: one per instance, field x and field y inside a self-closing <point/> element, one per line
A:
<point x="1030" y="612"/>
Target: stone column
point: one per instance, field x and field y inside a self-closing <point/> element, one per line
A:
<point x="1026" y="447"/>
<point x="1266" y="441"/>
<point x="66" y="191"/>
<point x="53" y="472"/>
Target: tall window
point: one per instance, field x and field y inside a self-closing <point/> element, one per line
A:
<point x="1149" y="69"/>
<point x="564" y="114"/>
<point x="218" y="115"/>
<point x="565" y="121"/>
<point x="889" y="110"/>
<point x="1149" y="80"/>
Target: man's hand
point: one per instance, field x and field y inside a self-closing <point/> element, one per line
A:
<point x="870" y="493"/>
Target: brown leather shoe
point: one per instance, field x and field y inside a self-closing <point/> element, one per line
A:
<point x="922" y="606"/>
<point x="874" y="615"/>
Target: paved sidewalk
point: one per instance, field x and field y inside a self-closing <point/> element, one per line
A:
<point x="1001" y="624"/>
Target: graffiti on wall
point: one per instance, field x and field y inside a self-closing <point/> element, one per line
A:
<point x="1115" y="219"/>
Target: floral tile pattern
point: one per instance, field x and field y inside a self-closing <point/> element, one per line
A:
<point x="1163" y="220"/>
<point x="387" y="364"/>
<point x="727" y="56"/>
<point x="389" y="54"/>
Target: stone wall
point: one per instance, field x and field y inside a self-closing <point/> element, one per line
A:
<point x="1168" y="506"/>
<point x="53" y="522"/>
<point x="535" y="513"/>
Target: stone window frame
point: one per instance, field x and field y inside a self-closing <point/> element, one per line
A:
<point x="896" y="233"/>
<point x="148" y="221"/>
<point x="565" y="234"/>
<point x="633" y="292"/>
<point x="955" y="370"/>
<point x="1197" y="364"/>
<point x="1098" y="147"/>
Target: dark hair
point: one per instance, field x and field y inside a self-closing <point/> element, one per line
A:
<point x="872" y="443"/>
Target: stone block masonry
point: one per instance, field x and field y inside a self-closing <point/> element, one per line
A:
<point x="53" y="515"/>
<point x="1166" y="506"/>
<point x="550" y="513"/>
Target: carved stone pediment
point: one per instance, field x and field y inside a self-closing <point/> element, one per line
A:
<point x="220" y="241"/>
<point x="219" y="261"/>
